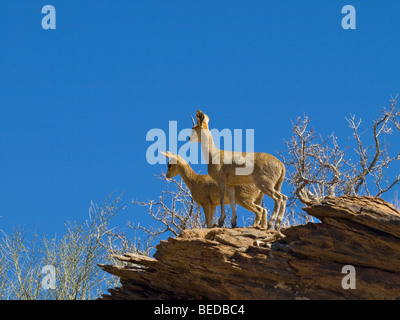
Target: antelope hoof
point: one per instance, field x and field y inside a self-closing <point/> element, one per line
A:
<point x="233" y="224"/>
<point x="220" y="223"/>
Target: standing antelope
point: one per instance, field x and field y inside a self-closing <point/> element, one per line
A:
<point x="229" y="168"/>
<point x="205" y="191"/>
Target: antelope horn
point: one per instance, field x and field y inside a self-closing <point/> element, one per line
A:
<point x="193" y="121"/>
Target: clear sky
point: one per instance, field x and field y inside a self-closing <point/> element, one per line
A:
<point x="76" y="102"/>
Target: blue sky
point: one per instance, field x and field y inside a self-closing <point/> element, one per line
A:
<point x="76" y="102"/>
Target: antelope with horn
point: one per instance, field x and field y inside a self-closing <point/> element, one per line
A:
<point x="229" y="169"/>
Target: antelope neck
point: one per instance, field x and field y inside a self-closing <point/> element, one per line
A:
<point x="208" y="147"/>
<point x="187" y="173"/>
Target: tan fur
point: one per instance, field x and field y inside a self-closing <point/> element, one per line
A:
<point x="206" y="194"/>
<point x="267" y="172"/>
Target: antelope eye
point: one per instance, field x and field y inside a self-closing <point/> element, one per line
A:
<point x="169" y="166"/>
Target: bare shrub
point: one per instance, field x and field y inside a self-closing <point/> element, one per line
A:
<point x="318" y="167"/>
<point x="74" y="257"/>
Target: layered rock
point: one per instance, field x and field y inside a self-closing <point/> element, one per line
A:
<point x="300" y="262"/>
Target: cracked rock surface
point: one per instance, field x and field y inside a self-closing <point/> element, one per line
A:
<point x="299" y="262"/>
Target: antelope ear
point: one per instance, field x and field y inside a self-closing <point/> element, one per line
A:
<point x="202" y="117"/>
<point x="199" y="116"/>
<point x="206" y="119"/>
<point x="173" y="157"/>
<point x="165" y="154"/>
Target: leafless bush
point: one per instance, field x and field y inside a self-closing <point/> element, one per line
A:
<point x="318" y="167"/>
<point x="74" y="257"/>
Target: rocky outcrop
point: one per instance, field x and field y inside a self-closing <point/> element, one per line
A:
<point x="300" y="262"/>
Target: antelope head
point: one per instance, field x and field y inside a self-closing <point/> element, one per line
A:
<point x="202" y="123"/>
<point x="173" y="167"/>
